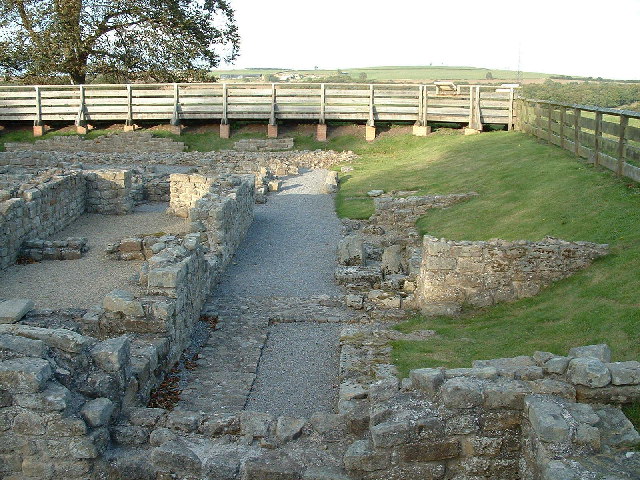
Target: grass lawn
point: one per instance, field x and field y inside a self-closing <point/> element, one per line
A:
<point x="527" y="190"/>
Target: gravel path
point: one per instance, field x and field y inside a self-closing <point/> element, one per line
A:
<point x="283" y="272"/>
<point x="84" y="282"/>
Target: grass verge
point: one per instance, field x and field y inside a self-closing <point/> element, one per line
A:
<point x="527" y="190"/>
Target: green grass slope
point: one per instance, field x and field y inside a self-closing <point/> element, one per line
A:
<point x="527" y="190"/>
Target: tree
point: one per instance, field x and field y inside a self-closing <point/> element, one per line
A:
<point x="489" y="75"/>
<point x="120" y="40"/>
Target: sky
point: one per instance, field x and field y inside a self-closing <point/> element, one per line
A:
<point x="570" y="37"/>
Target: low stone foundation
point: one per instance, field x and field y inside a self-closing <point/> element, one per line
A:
<point x="484" y="273"/>
<point x="263" y="145"/>
<point x="70" y="249"/>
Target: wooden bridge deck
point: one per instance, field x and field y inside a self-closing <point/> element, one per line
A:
<point x="278" y="101"/>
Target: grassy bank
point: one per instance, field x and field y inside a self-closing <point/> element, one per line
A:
<point x="527" y="190"/>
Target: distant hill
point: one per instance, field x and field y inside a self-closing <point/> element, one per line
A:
<point x="398" y="74"/>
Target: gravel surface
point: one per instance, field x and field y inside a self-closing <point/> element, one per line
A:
<point x="297" y="371"/>
<point x="289" y="252"/>
<point x="290" y="248"/>
<point x="84" y="282"/>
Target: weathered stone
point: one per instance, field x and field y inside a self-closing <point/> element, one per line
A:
<point x="615" y="428"/>
<point x="222" y="424"/>
<point x="462" y="392"/>
<point x="60" y="338"/>
<point x="354" y="301"/>
<point x="391" y="433"/>
<point x="256" y="424"/>
<point x="428" y="380"/>
<point x="392" y="261"/>
<point x="24" y="375"/>
<point x="324" y="473"/>
<point x="506" y="394"/>
<point x="184" y="420"/>
<point x="351" y="251"/>
<point x="145" y="417"/>
<point x="160" y="436"/>
<point x="547" y="420"/>
<point x="222" y="467"/>
<point x="123" y="302"/>
<point x="97" y="412"/>
<point x="429" y="451"/>
<point x="14" y="309"/>
<point x="416" y="470"/>
<point x="176" y="457"/>
<point x="276" y="466"/>
<point x="67" y="427"/>
<point x="352" y="391"/>
<point x="601" y="351"/>
<point x="625" y="373"/>
<point x="375" y="193"/>
<point x="360" y="456"/>
<point x="556" y="365"/>
<point x="529" y="373"/>
<point x="130" y="435"/>
<point x="22" y="345"/>
<point x="330" y="425"/>
<point x="548" y="386"/>
<point x="289" y="428"/>
<point x="54" y="398"/>
<point x="112" y="355"/>
<point x="29" y="423"/>
<point x="588" y="371"/>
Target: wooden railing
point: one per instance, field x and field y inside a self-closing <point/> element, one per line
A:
<point x="224" y="102"/>
<point x="603" y="136"/>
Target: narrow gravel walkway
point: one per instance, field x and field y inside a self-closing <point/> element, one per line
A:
<point x="276" y="348"/>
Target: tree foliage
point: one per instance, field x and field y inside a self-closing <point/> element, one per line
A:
<point x="116" y="40"/>
<point x="601" y="94"/>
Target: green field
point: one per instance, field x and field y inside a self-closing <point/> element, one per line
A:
<point x="380" y="74"/>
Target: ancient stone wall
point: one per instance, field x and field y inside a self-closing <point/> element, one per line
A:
<point x="405" y="211"/>
<point x="113" y="143"/>
<point x="186" y="190"/>
<point x="70" y="249"/>
<point x="263" y="145"/>
<point x="454" y="273"/>
<point x="40" y="212"/>
<point x="109" y="192"/>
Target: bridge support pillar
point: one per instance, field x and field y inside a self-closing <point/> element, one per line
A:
<point x="225" y="130"/>
<point x="129" y="126"/>
<point x="39" y="129"/>
<point x="370" y="133"/>
<point x="272" y="130"/>
<point x="82" y="129"/>
<point x="321" y="132"/>
<point x="175" y="129"/>
<point x="421" y="130"/>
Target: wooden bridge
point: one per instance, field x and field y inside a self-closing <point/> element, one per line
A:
<point x="420" y="104"/>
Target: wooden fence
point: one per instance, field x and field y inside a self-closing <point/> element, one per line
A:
<point x="604" y="136"/>
<point x="224" y="102"/>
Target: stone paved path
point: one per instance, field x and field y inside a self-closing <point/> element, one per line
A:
<point x="276" y="346"/>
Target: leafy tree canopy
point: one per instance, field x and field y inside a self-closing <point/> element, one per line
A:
<point x="116" y="40"/>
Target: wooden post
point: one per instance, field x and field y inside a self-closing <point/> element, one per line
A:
<point x="370" y="129"/>
<point x="38" y="126"/>
<point x="510" y="126"/>
<point x="562" y="113"/>
<point x="175" y="126"/>
<point x="81" y="123"/>
<point x="420" y="128"/>
<point x="323" y="100"/>
<point x="622" y="143"/>
<point x="420" y="105"/>
<point x="576" y="131"/>
<point x="598" y="137"/>
<point x="549" y="120"/>
<point x="128" y="125"/>
<point x="272" y="128"/>
<point x="225" y="104"/>
<point x="425" y="108"/>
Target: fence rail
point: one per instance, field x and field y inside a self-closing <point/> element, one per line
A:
<point x="228" y="101"/>
<point x="604" y="136"/>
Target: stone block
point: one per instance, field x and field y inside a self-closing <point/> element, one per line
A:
<point x="321" y="132"/>
<point x="97" y="412"/>
<point x="462" y="392"/>
<point x="272" y="131"/>
<point x="360" y="456"/>
<point x="601" y="351"/>
<point x="289" y="428"/>
<point x="421" y="130"/>
<point x="123" y="302"/>
<point x="588" y="371"/>
<point x="391" y="433"/>
<point x="325" y="473"/>
<point x="506" y="394"/>
<point x="22" y="345"/>
<point x="184" y="420"/>
<point x="176" y="457"/>
<point x="12" y="310"/>
<point x="557" y="365"/>
<point x="547" y="420"/>
<point x="625" y="373"/>
<point x="256" y="424"/>
<point x="55" y="398"/>
<point x="429" y="450"/>
<point x="112" y="355"/>
<point x="428" y="380"/>
<point x="225" y="130"/>
<point x="370" y="133"/>
<point x="275" y="466"/>
<point x="351" y="250"/>
<point x="24" y="375"/>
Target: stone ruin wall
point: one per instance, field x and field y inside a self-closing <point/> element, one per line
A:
<point x="40" y="212"/>
<point x="455" y="273"/>
<point x="63" y="389"/>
